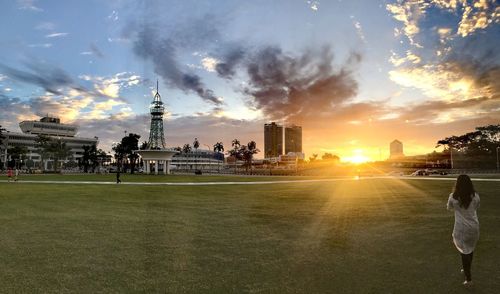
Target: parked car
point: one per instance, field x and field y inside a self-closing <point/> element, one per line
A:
<point x="420" y="172"/>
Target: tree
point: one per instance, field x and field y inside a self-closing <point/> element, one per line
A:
<point x="89" y="157"/>
<point x="2" y="137"/>
<point x="42" y="147"/>
<point x="313" y="158"/>
<point x="17" y="154"/>
<point x="186" y="149"/>
<point x="120" y="154"/>
<point x="60" y="151"/>
<point x="247" y="152"/>
<point x="219" y="148"/>
<point x="144" y="145"/>
<point x="129" y="144"/>
<point x="330" y="157"/>
<point x="196" y="144"/>
<point x="473" y="149"/>
<point x="235" y="152"/>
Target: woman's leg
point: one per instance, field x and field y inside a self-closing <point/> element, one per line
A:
<point x="466" y="263"/>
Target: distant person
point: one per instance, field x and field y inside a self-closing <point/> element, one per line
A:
<point x="118" y="177"/>
<point x="16" y="174"/>
<point x="464" y="201"/>
<point x="9" y="174"/>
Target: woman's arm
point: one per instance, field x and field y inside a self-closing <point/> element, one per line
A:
<point x="449" y="205"/>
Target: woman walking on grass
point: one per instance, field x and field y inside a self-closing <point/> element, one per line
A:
<point x="464" y="201"/>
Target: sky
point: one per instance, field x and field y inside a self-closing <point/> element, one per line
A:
<point x="354" y="74"/>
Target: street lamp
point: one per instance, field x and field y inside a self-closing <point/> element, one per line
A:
<point x="498" y="163"/>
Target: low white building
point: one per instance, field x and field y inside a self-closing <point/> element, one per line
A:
<point x="48" y="126"/>
<point x="204" y="160"/>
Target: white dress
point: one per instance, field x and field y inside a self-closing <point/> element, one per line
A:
<point x="466" y="228"/>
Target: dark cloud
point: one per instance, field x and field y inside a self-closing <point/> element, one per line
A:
<point x="96" y="51"/>
<point x="286" y="86"/>
<point x="46" y="76"/>
<point x="161" y="51"/>
<point x="227" y="67"/>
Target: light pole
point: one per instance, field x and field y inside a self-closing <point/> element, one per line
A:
<point x="498" y="163"/>
<point x="451" y="156"/>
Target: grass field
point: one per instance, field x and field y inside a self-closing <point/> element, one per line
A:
<point x="366" y="236"/>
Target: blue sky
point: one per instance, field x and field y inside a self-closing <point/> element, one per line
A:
<point x="354" y="74"/>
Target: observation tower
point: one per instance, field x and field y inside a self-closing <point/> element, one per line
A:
<point x="156" y="153"/>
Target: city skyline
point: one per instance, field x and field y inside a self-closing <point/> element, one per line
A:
<point x="354" y="74"/>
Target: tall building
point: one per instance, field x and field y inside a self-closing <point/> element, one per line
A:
<point x="396" y="149"/>
<point x="273" y="140"/>
<point x="293" y="139"/>
<point x="48" y="126"/>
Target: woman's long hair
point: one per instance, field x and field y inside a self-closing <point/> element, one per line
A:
<point x="463" y="191"/>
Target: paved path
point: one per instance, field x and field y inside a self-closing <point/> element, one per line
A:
<point x="245" y="183"/>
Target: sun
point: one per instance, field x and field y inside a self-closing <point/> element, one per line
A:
<point x="357" y="157"/>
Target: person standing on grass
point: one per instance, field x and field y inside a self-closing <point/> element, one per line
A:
<point x="464" y="201"/>
<point x="118" y="176"/>
<point x="9" y="174"/>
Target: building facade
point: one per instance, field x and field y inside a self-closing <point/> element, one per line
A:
<point x="396" y="150"/>
<point x="50" y="127"/>
<point x="204" y="160"/>
<point x="293" y="139"/>
<point x="273" y="140"/>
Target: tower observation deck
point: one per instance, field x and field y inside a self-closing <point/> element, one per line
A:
<point x="157" y="109"/>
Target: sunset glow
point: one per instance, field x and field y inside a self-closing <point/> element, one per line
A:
<point x="369" y="72"/>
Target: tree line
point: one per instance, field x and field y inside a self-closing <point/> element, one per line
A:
<point x="476" y="149"/>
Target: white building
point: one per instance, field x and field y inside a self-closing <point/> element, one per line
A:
<point x="204" y="160"/>
<point x="48" y="126"/>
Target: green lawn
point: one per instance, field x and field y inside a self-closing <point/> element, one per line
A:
<point x="367" y="236"/>
<point x="151" y="178"/>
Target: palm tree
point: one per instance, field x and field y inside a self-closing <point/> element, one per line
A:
<point x="42" y="147"/>
<point x="196" y="144"/>
<point x="248" y="151"/>
<point x="2" y="137"/>
<point x="60" y="151"/>
<point x="186" y="149"/>
<point x="219" y="147"/>
<point x="235" y="152"/>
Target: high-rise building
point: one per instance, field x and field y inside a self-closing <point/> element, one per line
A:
<point x="273" y="140"/>
<point x="396" y="148"/>
<point x="293" y="139"/>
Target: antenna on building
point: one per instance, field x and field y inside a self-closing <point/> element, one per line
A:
<point x="156" y="85"/>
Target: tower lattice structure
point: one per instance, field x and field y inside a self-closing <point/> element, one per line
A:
<point x="156" y="136"/>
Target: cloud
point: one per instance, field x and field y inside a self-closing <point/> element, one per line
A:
<point x="286" y="86"/>
<point x="28" y="5"/>
<point x="113" y="16"/>
<point x="42" y="45"/>
<point x="162" y="52"/>
<point x="56" y="35"/>
<point x="314" y="5"/>
<point x="474" y="15"/>
<point x="409" y="13"/>
<point x="47" y="26"/>
<point x="50" y="78"/>
<point x="96" y="51"/>
<point x="209" y="63"/>
<point x="409" y="58"/>
<point x="111" y="86"/>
